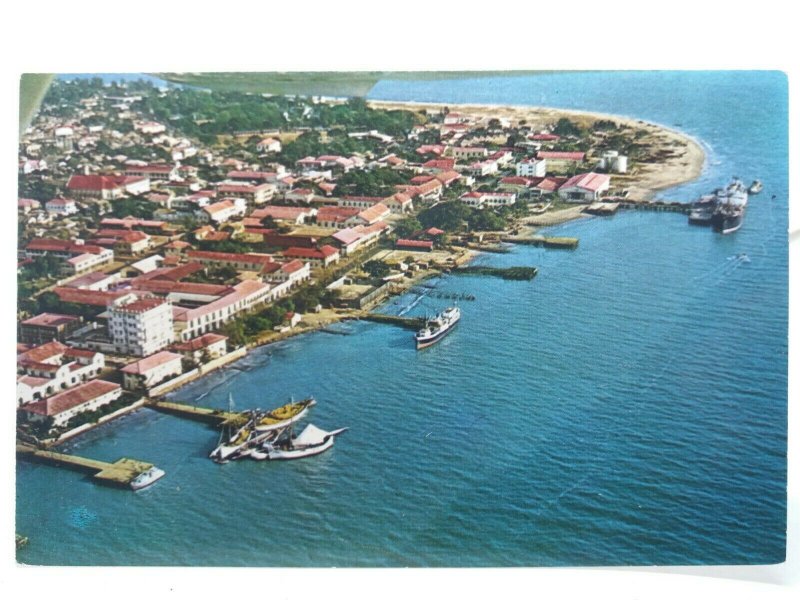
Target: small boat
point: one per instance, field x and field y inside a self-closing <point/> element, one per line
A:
<point x="755" y="187"/>
<point x="284" y="415"/>
<point x="310" y="442"/>
<point x="149" y="477"/>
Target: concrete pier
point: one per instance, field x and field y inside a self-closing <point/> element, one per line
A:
<point x="212" y="416"/>
<point x="120" y="473"/>
<point x="407" y="322"/>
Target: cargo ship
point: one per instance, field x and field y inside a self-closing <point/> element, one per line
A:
<point x="438" y="327"/>
<point x="723" y="209"/>
<point x="729" y="214"/>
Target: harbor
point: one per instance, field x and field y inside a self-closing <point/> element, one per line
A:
<point x="415" y="482"/>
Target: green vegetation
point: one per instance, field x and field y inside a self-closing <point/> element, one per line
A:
<point x="512" y="273"/>
<point x="376" y="268"/>
<point x="407" y="227"/>
<point x="455" y="216"/>
<point x="378" y="182"/>
<point x="133" y="207"/>
<point x="247" y="328"/>
<point x="565" y="127"/>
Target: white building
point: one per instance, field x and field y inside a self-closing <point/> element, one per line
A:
<point x="65" y="405"/>
<point x="140" y="326"/>
<point x="223" y="211"/>
<point x="197" y="321"/>
<point x="61" y="207"/>
<point x="53" y="367"/>
<point x="532" y="167"/>
<point x="586" y="187"/>
<point x="152" y="370"/>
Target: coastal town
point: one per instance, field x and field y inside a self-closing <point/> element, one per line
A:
<point x="164" y="231"/>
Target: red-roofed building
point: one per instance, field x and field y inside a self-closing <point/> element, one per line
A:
<point x="152" y="370"/>
<point x="373" y="214"/>
<point x="361" y="202"/>
<point x="240" y="262"/>
<point x="447" y="178"/>
<point x="59" y="409"/>
<point x="106" y="187"/>
<point x="48" y="368"/>
<point x="153" y="172"/>
<point x="414" y="245"/>
<point x="317" y="258"/>
<point x="254" y="194"/>
<point x="203" y="348"/>
<point x="586" y="187"/>
<point x="337" y="217"/>
<point x="224" y="210"/>
<point x="437" y="165"/>
<point x="122" y="241"/>
<point x="78" y="257"/>
<point x="291" y="214"/>
<point x="294" y="271"/>
<point x="46" y="327"/>
<point x="559" y="159"/>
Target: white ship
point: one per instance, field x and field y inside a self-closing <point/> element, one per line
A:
<point x="438" y="327"/>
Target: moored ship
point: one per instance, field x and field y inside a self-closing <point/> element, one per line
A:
<point x="723" y="209"/>
<point x="729" y="214"/>
<point x="438" y="327"/>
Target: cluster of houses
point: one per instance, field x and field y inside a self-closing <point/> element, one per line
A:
<point x="155" y="312"/>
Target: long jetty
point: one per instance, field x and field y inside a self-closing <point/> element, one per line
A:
<point x="212" y="416"/>
<point x="568" y="243"/>
<point x="120" y="473"/>
<point x="657" y="206"/>
<point x="407" y="322"/>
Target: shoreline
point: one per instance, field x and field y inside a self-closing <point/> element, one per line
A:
<point x="643" y="186"/>
<point x="674" y="171"/>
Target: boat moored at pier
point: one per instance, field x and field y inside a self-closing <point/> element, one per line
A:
<point x="438" y="327"/>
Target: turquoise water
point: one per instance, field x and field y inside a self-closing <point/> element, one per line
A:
<point x="627" y="406"/>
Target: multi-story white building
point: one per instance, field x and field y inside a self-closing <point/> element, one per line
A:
<point x="531" y="167"/>
<point x="140" y="326"/>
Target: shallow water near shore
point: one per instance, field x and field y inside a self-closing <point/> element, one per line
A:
<point x="627" y="406"/>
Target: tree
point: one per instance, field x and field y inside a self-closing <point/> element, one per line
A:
<point x="449" y="216"/>
<point x="565" y="127"/>
<point x="376" y="268"/>
<point x="407" y="227"/>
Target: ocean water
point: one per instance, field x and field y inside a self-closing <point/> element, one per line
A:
<point x="626" y="407"/>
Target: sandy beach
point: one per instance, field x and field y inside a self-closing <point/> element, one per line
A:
<point x="684" y="161"/>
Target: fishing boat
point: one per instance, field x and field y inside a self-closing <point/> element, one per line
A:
<point x="146" y="478"/>
<point x="284" y="415"/>
<point x="235" y="443"/>
<point x="438" y="327"/>
<point x="755" y="187"/>
<point x="310" y="442"/>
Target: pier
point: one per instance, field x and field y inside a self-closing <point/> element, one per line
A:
<point x="212" y="416"/>
<point x="120" y="473"/>
<point x="406" y="322"/>
<point x="658" y="206"/>
<point x="569" y="243"/>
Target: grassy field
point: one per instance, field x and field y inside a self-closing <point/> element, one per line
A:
<point x="32" y="88"/>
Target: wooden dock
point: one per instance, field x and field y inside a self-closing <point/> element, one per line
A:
<point x="213" y="416"/>
<point x="120" y="473"/>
